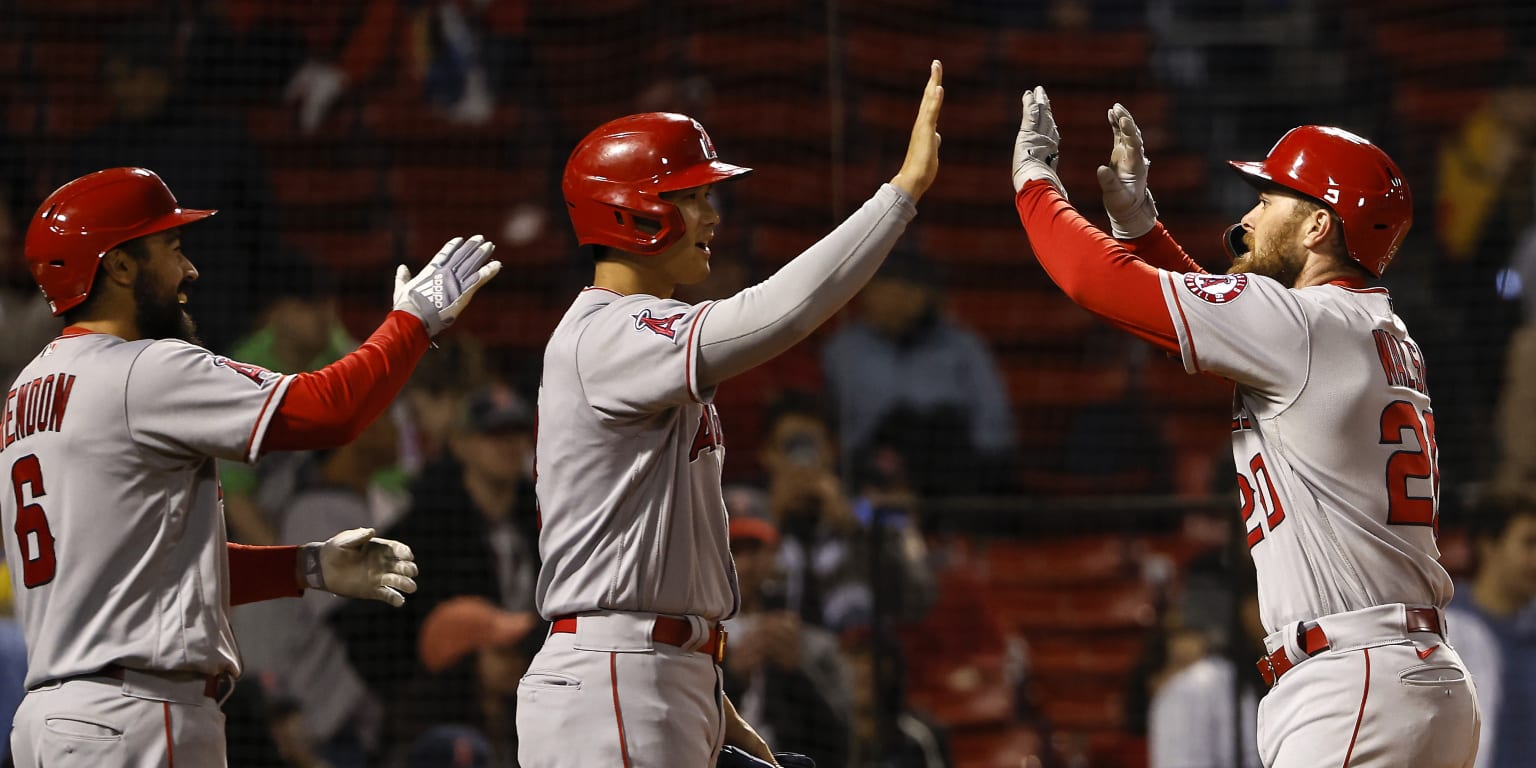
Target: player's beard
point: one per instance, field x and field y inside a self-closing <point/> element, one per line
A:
<point x="160" y="316"/>
<point x="1280" y="256"/>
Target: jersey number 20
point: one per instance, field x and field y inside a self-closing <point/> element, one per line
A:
<point x="37" y="566"/>
<point x="1412" y="463"/>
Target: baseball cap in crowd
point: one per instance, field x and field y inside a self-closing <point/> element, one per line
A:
<point x="746" y="528"/>
<point x="451" y="746"/>
<point x="463" y="625"/>
<point x="496" y="408"/>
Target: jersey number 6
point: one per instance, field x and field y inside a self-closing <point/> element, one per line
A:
<point x="37" y="565"/>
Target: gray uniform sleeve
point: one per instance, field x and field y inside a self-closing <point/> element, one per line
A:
<point x="1246" y="328"/>
<point x="637" y="356"/>
<point x="762" y="321"/>
<point x="183" y="400"/>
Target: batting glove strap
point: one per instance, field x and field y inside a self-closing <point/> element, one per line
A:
<point x="441" y="290"/>
<point x="309" y="565"/>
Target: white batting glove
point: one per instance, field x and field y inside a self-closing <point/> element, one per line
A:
<point x="441" y="290"/>
<point x="1038" y="146"/>
<point x="1132" y="211"/>
<point x="355" y="564"/>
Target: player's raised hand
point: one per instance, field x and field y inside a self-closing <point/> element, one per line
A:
<point x="355" y="564"/>
<point x="1038" y="146"/>
<point x="922" y="162"/>
<point x="1132" y="211"/>
<point x="441" y="290"/>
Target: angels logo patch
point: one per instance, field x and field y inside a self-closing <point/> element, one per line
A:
<point x="1215" y="289"/>
<point x="661" y="326"/>
<point x="255" y="373"/>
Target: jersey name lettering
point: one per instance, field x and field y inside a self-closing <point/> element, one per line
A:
<point x="1401" y="361"/>
<point x="709" y="436"/>
<point x="36" y="406"/>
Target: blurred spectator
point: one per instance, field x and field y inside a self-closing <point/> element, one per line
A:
<point x="1205" y="700"/>
<point x="24" y="314"/>
<point x="472" y="656"/>
<point x="451" y="746"/>
<point x="1484" y="201"/>
<point x="785" y="676"/>
<point x="263" y="730"/>
<point x="203" y="156"/>
<point x="290" y="639"/>
<point x="901" y="353"/>
<point x="436" y="393"/>
<point x="1492" y="621"/>
<point x="825" y="548"/>
<point x="887" y="733"/>
<point x="1517" y="396"/>
<point x="13" y="657"/>
<point x="471" y="524"/>
<point x="298" y="331"/>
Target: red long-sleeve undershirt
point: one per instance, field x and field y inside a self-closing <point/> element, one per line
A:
<point x="332" y="406"/>
<point x="1099" y="273"/>
<point x="324" y="409"/>
<point x="262" y="573"/>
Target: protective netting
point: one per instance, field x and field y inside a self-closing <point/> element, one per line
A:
<point x="990" y="550"/>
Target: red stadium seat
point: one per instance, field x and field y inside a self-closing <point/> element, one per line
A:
<point x="1074" y="561"/>
<point x="1087" y="609"/>
<point x="1022" y="317"/>
<point x="1057" y="384"/>
<point x="371" y="251"/>
<point x="1090" y="57"/>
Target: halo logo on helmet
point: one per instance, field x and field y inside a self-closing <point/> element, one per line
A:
<point x="614" y="179"/>
<point x="89" y="216"/>
<point x="1349" y="175"/>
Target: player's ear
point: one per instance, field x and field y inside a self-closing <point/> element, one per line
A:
<point x="1320" y="228"/>
<point x="120" y="267"/>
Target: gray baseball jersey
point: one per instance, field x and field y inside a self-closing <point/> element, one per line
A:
<point x="113" y="523"/>
<point x="629" y="453"/>
<point x="1333" y="436"/>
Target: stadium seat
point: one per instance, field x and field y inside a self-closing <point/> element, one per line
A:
<point x="1031" y="610"/>
<point x="1070" y="562"/>
<point x="1042" y="317"/>
<point x="1090" y="57"/>
<point x="1007" y="746"/>
<point x="1062" y="384"/>
<point x="366" y="253"/>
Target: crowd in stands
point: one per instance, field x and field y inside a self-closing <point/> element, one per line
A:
<point x="884" y="622"/>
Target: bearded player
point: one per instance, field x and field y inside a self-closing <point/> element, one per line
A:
<point x="113" y="521"/>
<point x="1332" y="429"/>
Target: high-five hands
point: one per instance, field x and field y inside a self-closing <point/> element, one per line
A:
<point x="1038" y="146"/>
<point x="443" y="288"/>
<point x="922" y="162"/>
<point x="1132" y="211"/>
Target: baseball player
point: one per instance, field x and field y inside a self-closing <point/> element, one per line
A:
<point x="1332" y="429"/>
<point x="637" y="572"/>
<point x="113" y="524"/>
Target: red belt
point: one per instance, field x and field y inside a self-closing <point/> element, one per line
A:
<point x="668" y="629"/>
<point x="1312" y="641"/>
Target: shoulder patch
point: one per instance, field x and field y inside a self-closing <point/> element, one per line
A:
<point x="255" y="373"/>
<point x="661" y="326"/>
<point x="1215" y="289"/>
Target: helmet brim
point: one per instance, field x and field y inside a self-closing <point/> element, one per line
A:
<point x="711" y="172"/>
<point x="174" y="219"/>
<point x="1252" y="171"/>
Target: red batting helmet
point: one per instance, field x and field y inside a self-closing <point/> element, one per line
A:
<point x="614" y="179"/>
<point x="89" y="216"/>
<point x="1353" y="178"/>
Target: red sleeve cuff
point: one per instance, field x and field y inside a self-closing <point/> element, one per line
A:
<point x="262" y="573"/>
